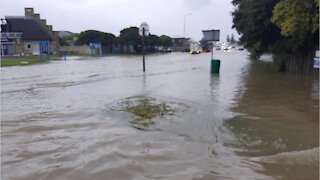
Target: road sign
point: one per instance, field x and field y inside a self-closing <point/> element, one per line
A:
<point x="44" y="49"/>
<point x="144" y="29"/>
<point x="211" y="35"/>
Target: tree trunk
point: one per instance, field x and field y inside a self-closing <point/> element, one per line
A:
<point x="295" y="63"/>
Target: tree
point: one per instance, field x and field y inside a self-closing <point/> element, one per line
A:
<point x="68" y="40"/>
<point x="63" y="42"/>
<point x="232" y="41"/>
<point x="130" y="36"/>
<point x="298" y="22"/>
<point x="152" y="40"/>
<point x="165" y="41"/>
<point x="251" y="19"/>
<point x="93" y="36"/>
<point x="287" y="28"/>
<point x="228" y="38"/>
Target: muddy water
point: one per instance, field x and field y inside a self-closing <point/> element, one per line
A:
<point x="58" y="120"/>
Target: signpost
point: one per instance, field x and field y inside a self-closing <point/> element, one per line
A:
<point x="213" y="35"/>
<point x="44" y="49"/>
<point x="144" y="31"/>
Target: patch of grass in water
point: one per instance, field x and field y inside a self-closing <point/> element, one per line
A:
<point x="146" y="110"/>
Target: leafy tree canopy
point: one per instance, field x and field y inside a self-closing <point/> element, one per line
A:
<point x="152" y="40"/>
<point x="129" y="36"/>
<point x="251" y="19"/>
<point x="296" y="18"/>
<point x="165" y="41"/>
<point x="278" y="26"/>
<point x="94" y="36"/>
<point x="298" y="21"/>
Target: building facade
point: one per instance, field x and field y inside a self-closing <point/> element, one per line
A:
<point x="180" y="44"/>
<point x="22" y="35"/>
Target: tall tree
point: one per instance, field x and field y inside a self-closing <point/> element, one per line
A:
<point x="228" y="38"/>
<point x="152" y="40"/>
<point x="130" y="36"/>
<point x="93" y="36"/>
<point x="232" y="40"/>
<point x="251" y="18"/>
<point x="287" y="28"/>
<point x="299" y="23"/>
<point x="165" y="41"/>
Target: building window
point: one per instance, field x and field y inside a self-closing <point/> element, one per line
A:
<point x="28" y="46"/>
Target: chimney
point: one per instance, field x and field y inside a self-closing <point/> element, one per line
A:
<point x="49" y="27"/>
<point x="36" y="17"/>
<point x="43" y="22"/>
<point x="28" y="12"/>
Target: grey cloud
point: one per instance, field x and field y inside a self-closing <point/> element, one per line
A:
<point x="197" y="4"/>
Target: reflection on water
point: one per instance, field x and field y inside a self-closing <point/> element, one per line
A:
<point x="278" y="113"/>
<point x="57" y="120"/>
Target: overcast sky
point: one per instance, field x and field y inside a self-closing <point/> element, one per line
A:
<point x="163" y="16"/>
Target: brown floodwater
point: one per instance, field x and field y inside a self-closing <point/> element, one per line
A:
<point x="65" y="119"/>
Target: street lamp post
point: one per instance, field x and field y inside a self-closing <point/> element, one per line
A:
<point x="184" y="29"/>
<point x="143" y="31"/>
<point x="143" y="51"/>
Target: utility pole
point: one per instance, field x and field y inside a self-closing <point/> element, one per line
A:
<point x="144" y="30"/>
<point x="143" y="51"/>
<point x="184" y="29"/>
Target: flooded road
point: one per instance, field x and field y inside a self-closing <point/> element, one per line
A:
<point x="64" y="120"/>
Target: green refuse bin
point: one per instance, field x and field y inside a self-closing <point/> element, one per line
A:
<point x="215" y="66"/>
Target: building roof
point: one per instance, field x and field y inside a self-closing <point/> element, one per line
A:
<point x="65" y="33"/>
<point x="31" y="30"/>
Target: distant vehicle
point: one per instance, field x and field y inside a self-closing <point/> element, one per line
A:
<point x="206" y="50"/>
<point x="218" y="48"/>
<point x="195" y="48"/>
<point x="240" y="48"/>
<point x="226" y="48"/>
<point x="166" y="50"/>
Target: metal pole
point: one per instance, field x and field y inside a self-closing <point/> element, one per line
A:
<point x="184" y="26"/>
<point x="212" y="50"/>
<point x="143" y="52"/>
<point x="184" y="30"/>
